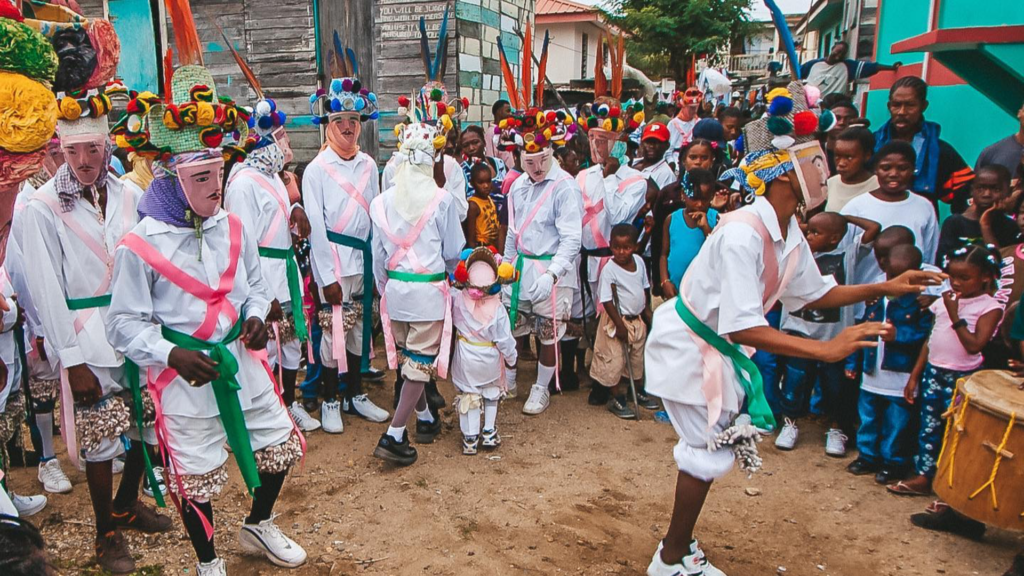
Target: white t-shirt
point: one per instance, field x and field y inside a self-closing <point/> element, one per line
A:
<point x="884" y="382"/>
<point x="839" y="264"/>
<point x="915" y="213"/>
<point x="631" y="286"/>
<point x="840" y="194"/>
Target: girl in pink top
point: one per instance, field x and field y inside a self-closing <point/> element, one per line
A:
<point x="966" y="318"/>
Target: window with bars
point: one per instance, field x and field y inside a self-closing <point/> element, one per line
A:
<point x="583" y="61"/>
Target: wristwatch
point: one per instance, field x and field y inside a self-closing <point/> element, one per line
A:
<point x="961" y="323"/>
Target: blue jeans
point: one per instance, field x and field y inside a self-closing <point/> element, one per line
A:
<point x="885" y="426"/>
<point x="768" y="364"/>
<point x="801" y="375"/>
<point x="310" y="387"/>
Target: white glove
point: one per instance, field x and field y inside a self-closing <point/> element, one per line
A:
<point x="542" y="287"/>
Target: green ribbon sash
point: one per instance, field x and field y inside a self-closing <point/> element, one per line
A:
<point x="514" y="311"/>
<point x="294" y="286"/>
<point x="413" y="277"/>
<point x="86" y="303"/>
<point x="746" y="371"/>
<point x="131" y="372"/>
<point x="225" y="390"/>
<point x="364" y="247"/>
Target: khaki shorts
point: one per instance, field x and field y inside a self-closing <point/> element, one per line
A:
<point x="422" y="339"/>
<point x="609" y="363"/>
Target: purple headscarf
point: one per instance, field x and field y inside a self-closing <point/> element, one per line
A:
<point x="164" y="199"/>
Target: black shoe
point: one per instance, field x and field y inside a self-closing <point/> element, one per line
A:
<point x="862" y="467"/>
<point x="618" y="407"/>
<point x="373" y="375"/>
<point x="399" y="381"/>
<point x="890" y="474"/>
<point x="427" y="431"/>
<point x="648" y="402"/>
<point x="1018" y="566"/>
<point x="310" y="405"/>
<point x="398" y="453"/>
<point x="434" y="398"/>
<point x="950" y="521"/>
<point x="599" y="395"/>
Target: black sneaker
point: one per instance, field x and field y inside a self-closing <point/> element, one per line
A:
<point x="950" y="521"/>
<point x="373" y="375"/>
<point x="890" y="474"/>
<point x="646" y="401"/>
<point x="398" y="453"/>
<point x="618" y="407"/>
<point x="427" y="431"/>
<point x="599" y="395"/>
<point x="862" y="467"/>
<point x="434" y="398"/>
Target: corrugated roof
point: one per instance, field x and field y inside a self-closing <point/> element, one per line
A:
<point x="548" y="7"/>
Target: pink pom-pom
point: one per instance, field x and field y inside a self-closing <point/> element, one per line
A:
<point x="813" y="94"/>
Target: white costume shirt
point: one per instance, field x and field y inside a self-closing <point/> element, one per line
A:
<point x="622" y="199"/>
<point x="144" y="300"/>
<point x="454" y="182"/>
<point x="555" y="229"/>
<point x="259" y="210"/>
<point x="436" y="248"/>
<point x="325" y="202"/>
<point x="8" y="350"/>
<point x="476" y="366"/>
<point x="661" y="173"/>
<point x="724" y="287"/>
<point x="40" y="369"/>
<point x="680" y="132"/>
<point x="63" y="266"/>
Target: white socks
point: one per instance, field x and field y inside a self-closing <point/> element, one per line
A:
<point x="490" y="414"/>
<point x="469" y="422"/>
<point x="45" y="424"/>
<point x="425" y="416"/>
<point x="510" y="378"/>
<point x="396" y="432"/>
<point x="544" y="374"/>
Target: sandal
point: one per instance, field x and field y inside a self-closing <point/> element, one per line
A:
<point x="937" y="507"/>
<point x="901" y="488"/>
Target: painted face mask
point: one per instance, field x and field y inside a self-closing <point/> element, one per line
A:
<point x="601" y="142"/>
<point x="343" y="134"/>
<point x="201" y="181"/>
<point x="538" y="165"/>
<point x="811" y="168"/>
<point x="284" y="143"/>
<point x="86" y="155"/>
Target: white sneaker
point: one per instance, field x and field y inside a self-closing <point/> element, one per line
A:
<point x="266" y="538"/>
<point x="330" y="417"/>
<point x="538" y="401"/>
<point x="786" y="439"/>
<point x="693" y="565"/>
<point x="363" y="407"/>
<point x="302" y="419"/>
<point x="835" y="443"/>
<point x="53" y="478"/>
<point x="216" y="568"/>
<point x="158" y="471"/>
<point x="28" y="505"/>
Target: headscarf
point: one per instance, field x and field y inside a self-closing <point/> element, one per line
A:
<point x="345" y="150"/>
<point x="141" y="173"/>
<point x="758" y="170"/>
<point x="414" y="180"/>
<point x="268" y="159"/>
<point x="69" y="189"/>
<point x="164" y="199"/>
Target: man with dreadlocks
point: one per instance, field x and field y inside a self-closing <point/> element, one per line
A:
<point x="697" y="351"/>
<point x="188" y="304"/>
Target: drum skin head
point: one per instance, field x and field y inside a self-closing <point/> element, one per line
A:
<point x="997" y="391"/>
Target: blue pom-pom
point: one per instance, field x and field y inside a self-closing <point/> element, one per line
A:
<point x="603" y="110"/>
<point x="372" y="97"/>
<point x="336" y="85"/>
<point x="273" y="105"/>
<point x="465" y="253"/>
<point x="316" y="120"/>
<point x="282" y="118"/>
<point x="740" y="145"/>
<point x="494" y="289"/>
<point x="780" y="106"/>
<point x="312" y="98"/>
<point x="265" y="122"/>
<point x="374" y="116"/>
<point x="335" y="105"/>
<point x="251" y="123"/>
<point x="359" y="104"/>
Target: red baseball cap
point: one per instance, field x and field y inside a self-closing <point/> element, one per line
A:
<point x="656" y="130"/>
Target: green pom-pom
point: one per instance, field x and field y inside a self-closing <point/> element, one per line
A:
<point x="779" y="126"/>
<point x="436" y="94"/>
<point x="637" y="107"/>
<point x="25" y="51"/>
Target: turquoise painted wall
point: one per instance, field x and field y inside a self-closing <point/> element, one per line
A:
<point x="133" y="21"/>
<point x="969" y="121"/>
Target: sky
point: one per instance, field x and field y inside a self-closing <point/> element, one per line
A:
<point x="758" y="12"/>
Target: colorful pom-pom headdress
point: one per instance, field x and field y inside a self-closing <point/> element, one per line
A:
<point x="345" y="93"/>
<point x="501" y="272"/>
<point x="608" y="112"/>
<point x="538" y="128"/>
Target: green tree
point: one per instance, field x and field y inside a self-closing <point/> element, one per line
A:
<point x="666" y="34"/>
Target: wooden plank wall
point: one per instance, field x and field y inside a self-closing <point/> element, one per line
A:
<point x="352" y="20"/>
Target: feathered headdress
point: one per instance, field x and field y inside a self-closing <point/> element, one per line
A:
<point x="607" y="111"/>
<point x="345" y="93"/>
<point x="433" y="103"/>
<point x="536" y="129"/>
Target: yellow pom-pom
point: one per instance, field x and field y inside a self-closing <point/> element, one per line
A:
<point x="541" y="119"/>
<point x="547" y="133"/>
<point x="607" y="124"/>
<point x="777" y="92"/>
<point x="503" y="124"/>
<point x="170" y="122"/>
<point x="398" y="129"/>
<point x="121" y="142"/>
<point x="506" y="271"/>
<point x="451" y="110"/>
<point x="69" y="108"/>
<point x="439" y="142"/>
<point x="446" y="122"/>
<point x="28" y="114"/>
<point x="568" y="120"/>
<point x="204" y="113"/>
<point x="639" y="117"/>
<point x="756" y="183"/>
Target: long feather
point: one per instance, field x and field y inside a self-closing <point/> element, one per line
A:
<point x="617" y="66"/>
<point x="425" y="48"/>
<point x="186" y="37"/>
<point x="444" y="59"/>
<point x="600" y="80"/>
<point x="168" y="74"/>
<point x="510" y="78"/>
<point x="526" y="71"/>
<point x="250" y="76"/>
<point x="339" y="56"/>
<point x="353" y="64"/>
<point x="442" y="36"/>
<point x="542" y="70"/>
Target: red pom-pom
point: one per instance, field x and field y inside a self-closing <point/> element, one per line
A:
<point x="7" y="10"/>
<point x="492" y="249"/>
<point x="615" y="112"/>
<point x="442" y="109"/>
<point x="403" y="101"/>
<point x="465" y="103"/>
<point x="461" y="274"/>
<point x="551" y="116"/>
<point x="805" y="123"/>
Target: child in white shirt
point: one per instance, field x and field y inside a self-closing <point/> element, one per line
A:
<point x="485" y="347"/>
<point x="623" y="325"/>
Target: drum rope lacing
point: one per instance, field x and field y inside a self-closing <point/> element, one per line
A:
<point x="956" y="422"/>
<point x="995" y="467"/>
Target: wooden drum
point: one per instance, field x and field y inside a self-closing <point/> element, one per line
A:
<point x="981" y="468"/>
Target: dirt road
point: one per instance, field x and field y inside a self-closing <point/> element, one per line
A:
<point x="574" y="491"/>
